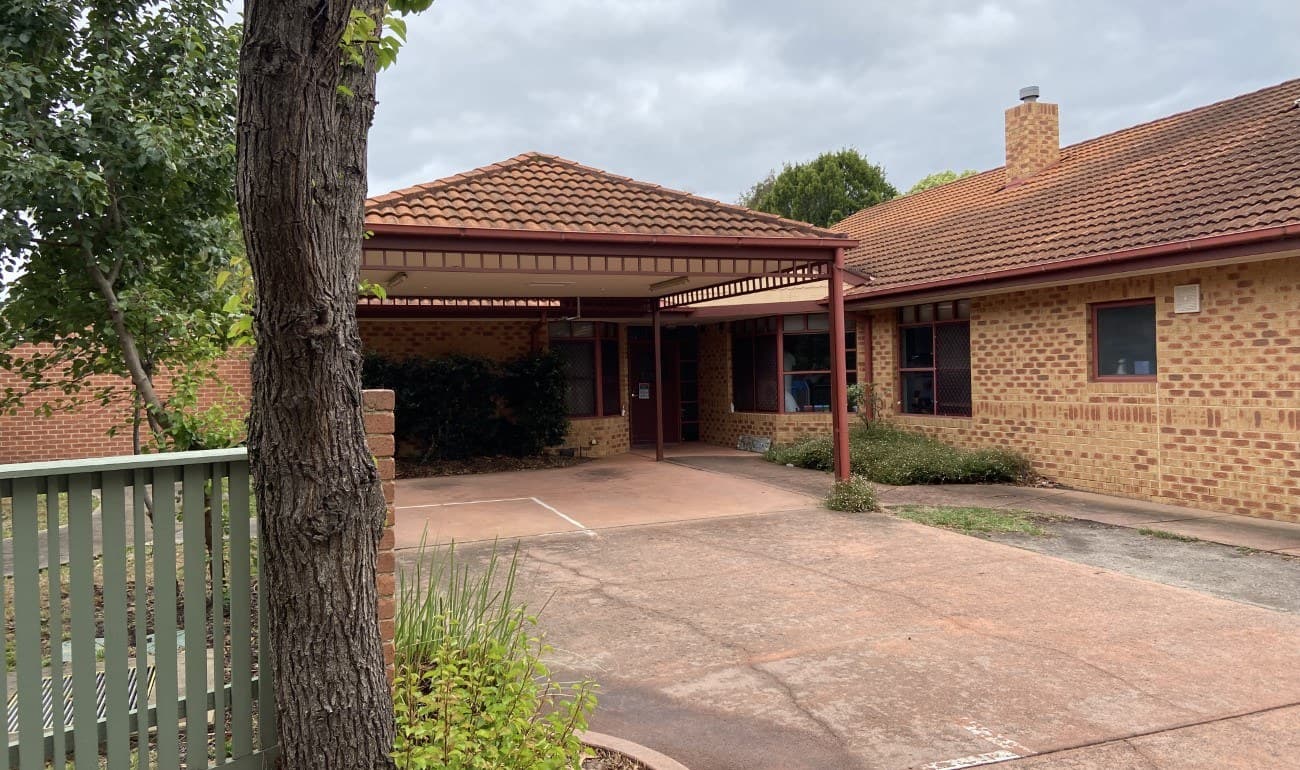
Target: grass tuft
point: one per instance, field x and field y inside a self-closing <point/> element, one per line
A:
<point x="1166" y="535"/>
<point x="976" y="521"/>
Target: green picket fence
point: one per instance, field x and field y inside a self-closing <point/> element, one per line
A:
<point x="131" y="634"/>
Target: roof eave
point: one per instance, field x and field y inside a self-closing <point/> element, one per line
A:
<point x="1173" y="253"/>
<point x="571" y="236"/>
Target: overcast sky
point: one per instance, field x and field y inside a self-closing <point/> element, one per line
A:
<point x="708" y="95"/>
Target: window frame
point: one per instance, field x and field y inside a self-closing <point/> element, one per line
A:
<point x="750" y="332"/>
<point x="1094" y="341"/>
<point x="778" y="330"/>
<point x="933" y="368"/>
<point x="601" y="332"/>
<point x="850" y="354"/>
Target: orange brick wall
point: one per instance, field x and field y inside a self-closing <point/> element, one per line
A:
<point x="377" y="406"/>
<point x="719" y="425"/>
<point x="430" y="338"/>
<point x="83" y="432"/>
<point x="1218" y="429"/>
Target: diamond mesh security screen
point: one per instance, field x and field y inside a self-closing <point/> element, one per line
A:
<point x="580" y="375"/>
<point x="952" y="369"/>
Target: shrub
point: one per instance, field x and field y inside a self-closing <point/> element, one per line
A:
<point x="855" y="495"/>
<point x="532" y="387"/>
<point x="457" y="407"/>
<point x="471" y="690"/>
<point x="888" y="455"/>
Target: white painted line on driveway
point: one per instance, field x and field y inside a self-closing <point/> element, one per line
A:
<point x="997" y="739"/>
<point x="1007" y="750"/>
<point x="974" y="760"/>
<point x="466" y="502"/>
<point x="569" y="519"/>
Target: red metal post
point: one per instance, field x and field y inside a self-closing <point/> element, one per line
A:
<point x="839" y="379"/>
<point x="659" y="388"/>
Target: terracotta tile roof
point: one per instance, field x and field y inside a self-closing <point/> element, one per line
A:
<point x="535" y="191"/>
<point x="1229" y="167"/>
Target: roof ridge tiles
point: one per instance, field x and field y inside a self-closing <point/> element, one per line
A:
<point x="580" y="183"/>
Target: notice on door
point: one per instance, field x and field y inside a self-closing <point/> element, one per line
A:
<point x="643" y="391"/>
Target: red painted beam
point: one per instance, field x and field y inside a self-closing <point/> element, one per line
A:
<point x="839" y="378"/>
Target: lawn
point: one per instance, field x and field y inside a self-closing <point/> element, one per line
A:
<point x="977" y="521"/>
<point x="887" y="454"/>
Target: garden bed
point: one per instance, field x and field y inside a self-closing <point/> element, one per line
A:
<point x="887" y="454"/>
<point x="618" y="754"/>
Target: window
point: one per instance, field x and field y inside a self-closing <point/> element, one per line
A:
<point x="753" y="365"/>
<point x="934" y="358"/>
<point x="806" y="362"/>
<point x="1124" y="340"/>
<point x="589" y="351"/>
<point x="784" y="364"/>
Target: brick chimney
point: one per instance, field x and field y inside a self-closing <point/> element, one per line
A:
<point x="1033" y="136"/>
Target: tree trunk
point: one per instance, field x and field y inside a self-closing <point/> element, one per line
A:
<point x="302" y="181"/>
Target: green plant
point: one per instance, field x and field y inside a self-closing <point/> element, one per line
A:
<point x="1167" y="535"/>
<point x="471" y="689"/>
<point x="457" y="407"/>
<point x="532" y="389"/>
<point x="886" y="454"/>
<point x="854" y="495"/>
<point x="869" y="403"/>
<point x="972" y="521"/>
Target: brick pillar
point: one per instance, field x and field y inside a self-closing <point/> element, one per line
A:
<point x="378" y="408"/>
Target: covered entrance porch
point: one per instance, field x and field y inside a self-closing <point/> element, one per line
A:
<point x="597" y="264"/>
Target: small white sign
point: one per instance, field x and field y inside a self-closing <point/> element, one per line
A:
<point x="1187" y="298"/>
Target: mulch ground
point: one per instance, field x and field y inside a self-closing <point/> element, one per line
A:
<point x="413" y="469"/>
<point x="610" y="760"/>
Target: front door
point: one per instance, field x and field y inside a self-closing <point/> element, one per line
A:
<point x="641" y="378"/>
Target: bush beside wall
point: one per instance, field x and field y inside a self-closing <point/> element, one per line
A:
<point x="456" y="407"/>
<point x="887" y="455"/>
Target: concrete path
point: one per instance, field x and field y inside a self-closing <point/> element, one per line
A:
<point x="731" y="623"/>
<point x="810" y="639"/>
<point x="1228" y="529"/>
<point x="612" y="492"/>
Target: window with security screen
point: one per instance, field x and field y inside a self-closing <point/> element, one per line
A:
<point x="589" y="351"/>
<point x="934" y="358"/>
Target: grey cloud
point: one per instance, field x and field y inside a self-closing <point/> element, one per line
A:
<point x="708" y="96"/>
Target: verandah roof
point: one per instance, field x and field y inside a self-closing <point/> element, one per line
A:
<point x="545" y="228"/>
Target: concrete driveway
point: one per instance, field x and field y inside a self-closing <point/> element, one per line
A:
<point x="793" y="637"/>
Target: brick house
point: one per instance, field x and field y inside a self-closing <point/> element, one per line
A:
<point x="1125" y="311"/>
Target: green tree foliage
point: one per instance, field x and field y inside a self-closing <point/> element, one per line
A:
<point x="117" y="212"/>
<point x="822" y="191"/>
<point x="938" y="178"/>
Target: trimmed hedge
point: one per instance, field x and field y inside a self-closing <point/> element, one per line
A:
<point x="457" y="407"/>
<point x="887" y="455"/>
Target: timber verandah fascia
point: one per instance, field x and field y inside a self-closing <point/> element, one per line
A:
<point x="746" y="264"/>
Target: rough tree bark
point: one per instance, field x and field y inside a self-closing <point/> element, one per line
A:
<point x="302" y="181"/>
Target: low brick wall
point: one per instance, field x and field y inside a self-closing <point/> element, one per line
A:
<point x="378" y="408"/>
<point x="610" y="435"/>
